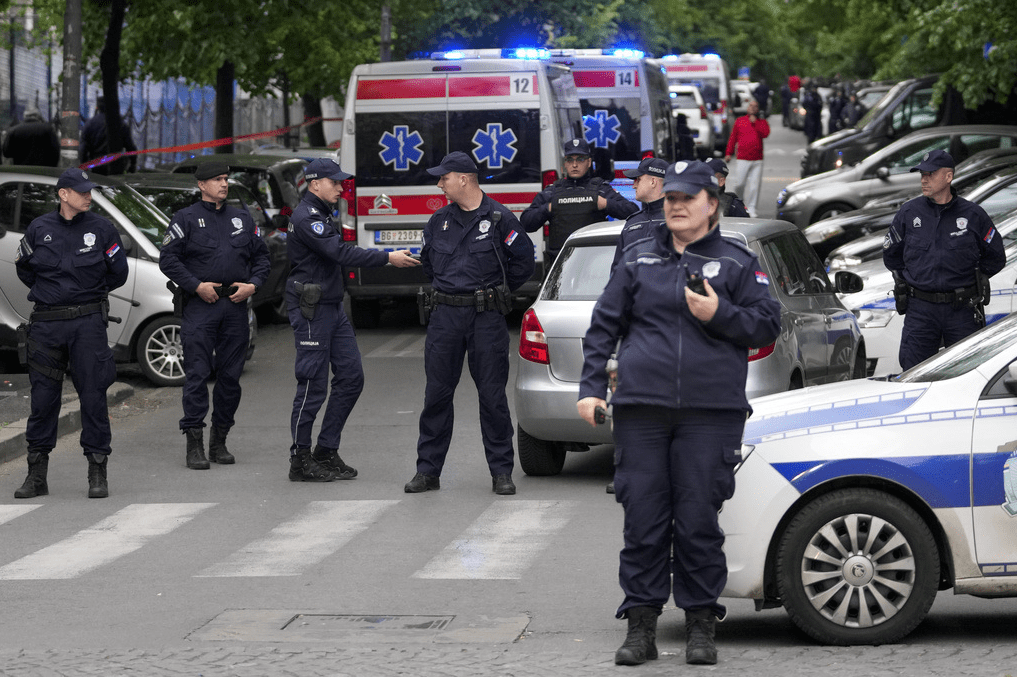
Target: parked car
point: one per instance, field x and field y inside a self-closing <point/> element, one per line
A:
<point x="877" y="315"/>
<point x="744" y="91"/>
<point x="148" y="334"/>
<point x="172" y="192"/>
<point x="820" y="341"/>
<point x="884" y="172"/>
<point x="831" y="234"/>
<point x="688" y="100"/>
<point x="998" y="197"/>
<point x="871" y="96"/>
<point x="857" y="502"/>
<point x="906" y="108"/>
<point x="279" y="180"/>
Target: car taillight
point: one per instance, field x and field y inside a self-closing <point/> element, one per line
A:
<point x="702" y="111"/>
<point x="532" y="342"/>
<point x="548" y="177"/>
<point x="646" y="154"/>
<point x="349" y="234"/>
<point x="760" y="353"/>
<point x="350" y="195"/>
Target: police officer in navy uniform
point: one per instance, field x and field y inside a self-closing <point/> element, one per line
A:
<point x="324" y="336"/>
<point x="475" y="252"/>
<point x="679" y="406"/>
<point x="215" y="255"/>
<point x="70" y="259"/>
<point x="937" y="247"/>
<point x="648" y="183"/>
<point x="576" y="200"/>
<point x="730" y="204"/>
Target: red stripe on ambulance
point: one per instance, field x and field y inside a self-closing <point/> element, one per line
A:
<point x="401" y="88"/>
<point x="478" y="86"/>
<point x="593" y="78"/>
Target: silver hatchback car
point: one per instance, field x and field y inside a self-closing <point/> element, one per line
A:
<point x="148" y="334"/>
<point x="820" y="340"/>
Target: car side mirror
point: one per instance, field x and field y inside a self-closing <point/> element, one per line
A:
<point x="883" y="173"/>
<point x="847" y="282"/>
<point x="280" y="222"/>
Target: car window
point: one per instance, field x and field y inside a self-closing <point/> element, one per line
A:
<point x="682" y="100"/>
<point x="8" y="204"/>
<point x="901" y="161"/>
<point x="169" y="200"/>
<point x="1001" y="202"/>
<point x="915" y="112"/>
<point x="36" y="199"/>
<point x="150" y="221"/>
<point x="579" y="274"/>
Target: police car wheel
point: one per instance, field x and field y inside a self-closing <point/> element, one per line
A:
<point x="841" y="361"/>
<point x="160" y="352"/>
<point x="857" y="566"/>
<point x="539" y="457"/>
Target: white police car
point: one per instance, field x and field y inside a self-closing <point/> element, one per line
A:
<point x="856" y="502"/>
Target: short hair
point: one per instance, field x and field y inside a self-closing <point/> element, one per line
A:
<point x="713" y="193"/>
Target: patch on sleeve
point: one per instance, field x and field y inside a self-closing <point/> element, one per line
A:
<point x="991" y="234"/>
<point x="761" y="278"/>
<point x="24" y="250"/>
<point x="511" y="237"/>
<point x="318" y="227"/>
<point x="111" y="252"/>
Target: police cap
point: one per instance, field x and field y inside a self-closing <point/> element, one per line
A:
<point x="75" y="179"/>
<point x="576" y="147"/>
<point x="324" y="168"/>
<point x="210" y="170"/>
<point x="718" y="166"/>
<point x="689" y="178"/>
<point x="933" y="160"/>
<point x="456" y="161"/>
<point x="650" y="165"/>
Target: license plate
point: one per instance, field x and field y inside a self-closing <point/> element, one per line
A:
<point x="398" y="236"/>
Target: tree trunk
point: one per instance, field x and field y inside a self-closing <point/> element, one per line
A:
<point x="315" y="132"/>
<point x="109" y="63"/>
<point x="224" y="105"/>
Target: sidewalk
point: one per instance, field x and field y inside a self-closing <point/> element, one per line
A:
<point x="15" y="406"/>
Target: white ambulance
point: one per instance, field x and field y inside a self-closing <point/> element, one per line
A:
<point x="509" y="114"/>
<point x="626" y="109"/>
<point x="710" y="74"/>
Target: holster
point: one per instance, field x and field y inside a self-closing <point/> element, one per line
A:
<point x="22" y="333"/>
<point x="178" y="298"/>
<point x="900" y="293"/>
<point x="424" y="305"/>
<point x="310" y="296"/>
<point x="501" y="299"/>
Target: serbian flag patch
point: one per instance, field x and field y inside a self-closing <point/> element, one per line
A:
<point x="761" y="278"/>
<point x="113" y="250"/>
<point x="991" y="234"/>
<point x="511" y="238"/>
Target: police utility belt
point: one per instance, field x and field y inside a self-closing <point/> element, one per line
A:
<point x="68" y="312"/>
<point x="955" y="296"/>
<point x="481" y="299"/>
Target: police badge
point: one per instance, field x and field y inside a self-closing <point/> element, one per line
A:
<point x="485" y="226"/>
<point x="89" y="239"/>
<point x="711" y="269"/>
<point x="962" y="223"/>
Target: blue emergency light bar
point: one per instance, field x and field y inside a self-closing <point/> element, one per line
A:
<point x="629" y="53"/>
<point x="510" y="53"/>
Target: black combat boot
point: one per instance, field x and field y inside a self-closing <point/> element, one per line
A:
<point x="217" y="451"/>
<point x="331" y="460"/>
<point x="35" y="483"/>
<point x="422" y="482"/>
<point x="196" y="449"/>
<point x="641" y="642"/>
<point x="97" y="486"/>
<point x="700" y="647"/>
<point x="303" y="468"/>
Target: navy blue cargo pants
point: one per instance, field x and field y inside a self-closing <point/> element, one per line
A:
<point x="216" y="337"/>
<point x="928" y="325"/>
<point x="453" y="333"/>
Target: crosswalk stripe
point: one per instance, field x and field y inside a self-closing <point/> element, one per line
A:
<point x="322" y="528"/>
<point x="119" y="534"/>
<point x="402" y="345"/>
<point x="9" y="512"/>
<point x="503" y="542"/>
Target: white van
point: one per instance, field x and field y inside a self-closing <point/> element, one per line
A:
<point x="709" y="73"/>
<point x="626" y="109"/>
<point x="402" y="117"/>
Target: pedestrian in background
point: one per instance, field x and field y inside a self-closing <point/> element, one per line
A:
<point x="95" y="143"/>
<point x="679" y="407"/>
<point x="70" y="259"/>
<point x="215" y="256"/>
<point x="573" y="201"/>
<point x="761" y="93"/>
<point x="813" y="105"/>
<point x="937" y="247"/>
<point x="323" y="334"/>
<point x="785" y="104"/>
<point x="685" y="145"/>
<point x="836" y="106"/>
<point x="33" y="142"/>
<point x="746" y="145"/>
<point x="475" y="254"/>
<point x="730" y="204"/>
<point x="851" y="113"/>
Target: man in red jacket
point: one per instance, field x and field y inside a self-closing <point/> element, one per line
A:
<point x="747" y="136"/>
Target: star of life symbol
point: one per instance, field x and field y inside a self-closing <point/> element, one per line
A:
<point x="601" y="129"/>
<point x="494" y="146"/>
<point x="400" y="148"/>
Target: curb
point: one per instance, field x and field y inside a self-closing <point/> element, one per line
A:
<point x="12" y="436"/>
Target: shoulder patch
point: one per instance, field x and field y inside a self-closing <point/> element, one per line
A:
<point x="318" y="227"/>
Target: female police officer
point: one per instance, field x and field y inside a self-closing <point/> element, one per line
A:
<point x="679" y="405"/>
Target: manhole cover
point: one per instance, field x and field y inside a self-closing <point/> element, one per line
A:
<point x="344" y="623"/>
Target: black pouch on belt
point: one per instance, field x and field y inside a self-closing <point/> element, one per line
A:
<point x="22" y="333"/>
<point x="310" y="295"/>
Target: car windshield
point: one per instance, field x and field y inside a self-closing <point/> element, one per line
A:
<point x="580" y="273"/>
<point x="966" y="355"/>
<point x="142" y="213"/>
<point x="887" y="99"/>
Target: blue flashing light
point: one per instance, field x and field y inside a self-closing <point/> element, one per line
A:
<point x="669" y="57"/>
<point x="711" y="56"/>
<point x="629" y="53"/>
<point x="454" y="54"/>
<point x="531" y="53"/>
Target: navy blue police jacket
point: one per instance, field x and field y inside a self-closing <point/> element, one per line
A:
<point x="644" y="223"/>
<point x="937" y="247"/>
<point x="536" y="215"/>
<point x="464" y="251"/>
<point x="70" y="263"/>
<point x="205" y="244"/>
<point x="667" y="357"/>
<point x="317" y="250"/>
